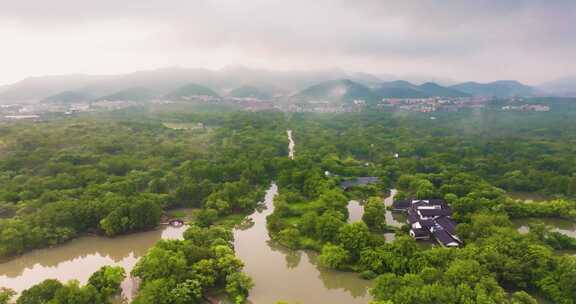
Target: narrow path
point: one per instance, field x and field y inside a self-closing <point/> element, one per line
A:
<point x="291" y="145"/>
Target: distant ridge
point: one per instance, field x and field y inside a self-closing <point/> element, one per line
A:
<point x="348" y="90"/>
<point x="190" y="90"/>
<point x="138" y="94"/>
<point x="68" y="97"/>
<point x="343" y="90"/>
<point x="248" y="91"/>
<point x="244" y="81"/>
<point x="501" y="88"/>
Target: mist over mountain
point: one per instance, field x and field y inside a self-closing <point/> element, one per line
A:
<point x="36" y="88"/>
<point x="190" y="90"/>
<point x="162" y="81"/>
<point x="346" y="90"/>
<point x="565" y="86"/>
<point x="501" y="88"/>
<point x="250" y="91"/>
<point x="68" y="97"/>
<point x="343" y="90"/>
<point x="131" y="94"/>
<point x="248" y="82"/>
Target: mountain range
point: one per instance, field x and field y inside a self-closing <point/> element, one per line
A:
<point x="245" y="82"/>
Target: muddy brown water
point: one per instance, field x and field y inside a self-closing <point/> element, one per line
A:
<point x="292" y="276"/>
<point x="279" y="274"/>
<point x="79" y="258"/>
<point x="560" y="225"/>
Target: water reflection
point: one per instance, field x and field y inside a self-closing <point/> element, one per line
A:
<point x="355" y="211"/>
<point x="293" y="276"/>
<point x="394" y="219"/>
<point x="560" y="225"/>
<point x="79" y="258"/>
<point x="528" y="196"/>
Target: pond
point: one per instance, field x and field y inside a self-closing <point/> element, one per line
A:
<point x="529" y="196"/>
<point x="355" y="211"/>
<point x="394" y="219"/>
<point x="560" y="225"/>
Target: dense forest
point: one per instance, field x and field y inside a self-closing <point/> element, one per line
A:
<point x="471" y="160"/>
<point x="117" y="174"/>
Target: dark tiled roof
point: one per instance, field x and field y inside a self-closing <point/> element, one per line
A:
<point x="421" y="232"/>
<point x="412" y="216"/>
<point x="417" y="204"/>
<point x="402" y="204"/>
<point x="434" y="212"/>
<point x="438" y="202"/>
<point x="444" y="237"/>
<point x="427" y="223"/>
<point x="447" y="224"/>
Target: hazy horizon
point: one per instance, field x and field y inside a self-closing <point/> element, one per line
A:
<point x="531" y="41"/>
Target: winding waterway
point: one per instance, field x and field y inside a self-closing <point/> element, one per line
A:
<point x="293" y="276"/>
<point x="285" y="275"/>
<point x="278" y="273"/>
<point x="79" y="258"/>
<point x="291" y="144"/>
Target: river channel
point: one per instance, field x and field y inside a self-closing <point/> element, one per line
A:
<point x="278" y="273"/>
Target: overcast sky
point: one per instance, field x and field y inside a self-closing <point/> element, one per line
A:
<point x="529" y="40"/>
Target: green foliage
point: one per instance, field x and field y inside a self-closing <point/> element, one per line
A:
<point x="107" y="280"/>
<point x="328" y="225"/>
<point x="135" y="216"/>
<point x="40" y="293"/>
<point x="117" y="175"/>
<point x="333" y="256"/>
<point x="6" y="295"/>
<point x="73" y="293"/>
<point x="183" y="271"/>
<point x="238" y="285"/>
<point x="375" y="214"/>
<point x="354" y="238"/>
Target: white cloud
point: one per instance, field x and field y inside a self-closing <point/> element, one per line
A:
<point x="476" y="39"/>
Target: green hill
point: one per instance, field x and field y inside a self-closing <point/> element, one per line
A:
<point x="502" y="88"/>
<point x="191" y="90"/>
<point x="432" y="89"/>
<point x="68" y="97"/>
<point x="131" y="94"/>
<point x="252" y="92"/>
<point x="343" y="90"/>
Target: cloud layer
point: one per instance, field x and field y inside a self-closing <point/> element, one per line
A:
<point x="530" y="40"/>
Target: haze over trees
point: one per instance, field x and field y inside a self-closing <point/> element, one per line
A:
<point x="117" y="174"/>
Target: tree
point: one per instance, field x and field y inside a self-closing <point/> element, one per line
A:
<point x="156" y="292"/>
<point x="238" y="286"/>
<point x="189" y="292"/>
<point x="375" y="214"/>
<point x="328" y="225"/>
<point x="107" y="280"/>
<point x="289" y="237"/>
<point x="333" y="256"/>
<point x="354" y="238"/>
<point x="5" y="295"/>
<point x="206" y="217"/>
<point x="72" y="293"/>
<point x="160" y="263"/>
<point x="522" y="297"/>
<point x="40" y="293"/>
